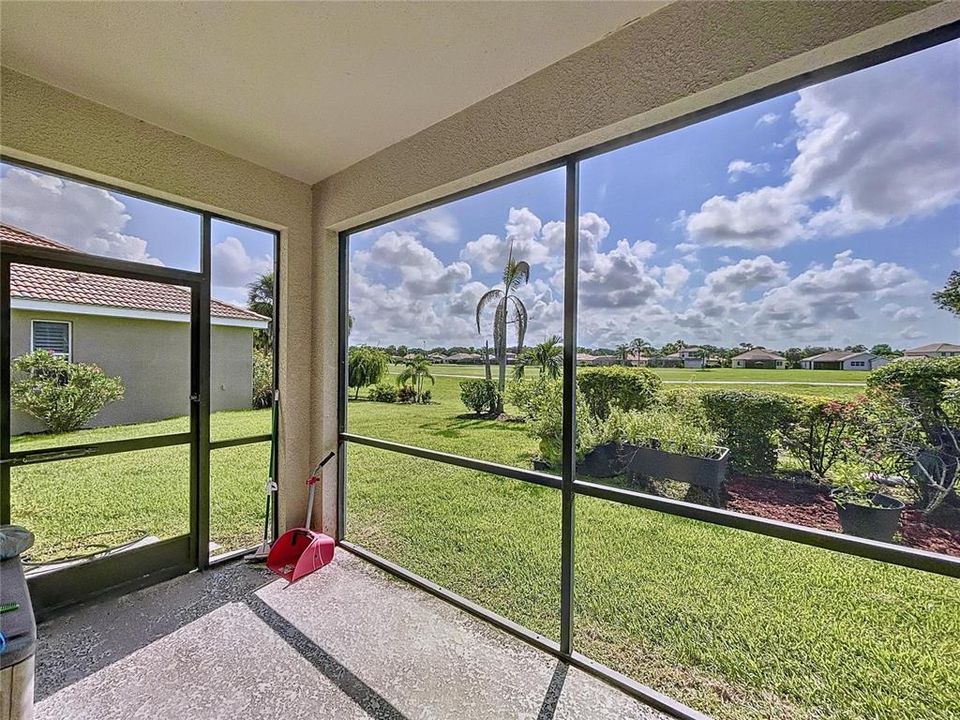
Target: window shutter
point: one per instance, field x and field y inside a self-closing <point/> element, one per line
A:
<point x="53" y="337"/>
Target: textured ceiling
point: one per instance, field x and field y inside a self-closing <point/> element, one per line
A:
<point x="306" y="89"/>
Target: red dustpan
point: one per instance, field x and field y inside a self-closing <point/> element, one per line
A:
<point x="300" y="551"/>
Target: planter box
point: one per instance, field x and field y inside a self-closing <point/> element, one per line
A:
<point x="877" y="522"/>
<point x="611" y="459"/>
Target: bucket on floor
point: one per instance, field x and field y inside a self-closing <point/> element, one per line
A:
<point x="300" y="551"/>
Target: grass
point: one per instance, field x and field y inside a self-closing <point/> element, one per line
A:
<point x="706" y="375"/>
<point x="737" y="625"/>
<point x="85" y="504"/>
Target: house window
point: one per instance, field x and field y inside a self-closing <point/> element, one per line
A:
<point x="51" y="336"/>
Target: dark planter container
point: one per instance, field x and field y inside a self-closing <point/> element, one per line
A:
<point x="541" y="465"/>
<point x="871" y="522"/>
<point x="611" y="459"/>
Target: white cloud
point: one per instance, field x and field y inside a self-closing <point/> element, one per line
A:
<point x="232" y="266"/>
<point x="874" y="149"/>
<point x="438" y="225"/>
<point x="746" y="275"/>
<point x="820" y="296"/>
<point x="767" y="119"/>
<point x="737" y="168"/>
<point x="84" y="217"/>
<point x="420" y="269"/>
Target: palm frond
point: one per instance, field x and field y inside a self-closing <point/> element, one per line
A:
<point x="487" y="298"/>
<point x="520" y="314"/>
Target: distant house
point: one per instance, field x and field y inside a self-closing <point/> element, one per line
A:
<point x="758" y="358"/>
<point x="843" y="360"/>
<point x="587" y="359"/>
<point x="134" y="329"/>
<point x="465" y="358"/>
<point x="933" y="350"/>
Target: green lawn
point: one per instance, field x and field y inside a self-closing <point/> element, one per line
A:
<point x="75" y="506"/>
<point x="737" y="625"/>
<point x="708" y="375"/>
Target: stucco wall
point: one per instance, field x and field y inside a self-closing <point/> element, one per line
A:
<point x="152" y="358"/>
<point x="683" y="58"/>
<point x="47" y="125"/>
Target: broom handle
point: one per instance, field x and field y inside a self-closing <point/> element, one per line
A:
<point x="314" y="479"/>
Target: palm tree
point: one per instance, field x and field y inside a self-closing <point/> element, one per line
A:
<point x="623" y="353"/>
<point x="509" y="310"/>
<point x="415" y="372"/>
<point x="548" y="355"/>
<point x="641" y="347"/>
<point x="260" y="301"/>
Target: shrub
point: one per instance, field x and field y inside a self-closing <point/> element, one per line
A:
<point x="626" y="388"/>
<point x="406" y="394"/>
<point x="384" y="392"/>
<point x="262" y="378"/>
<point x="685" y="402"/>
<point x="922" y="383"/>
<point x="823" y="433"/>
<point x="643" y="428"/>
<point x="749" y="423"/>
<point x="61" y="394"/>
<point x="365" y="366"/>
<point x="480" y="395"/>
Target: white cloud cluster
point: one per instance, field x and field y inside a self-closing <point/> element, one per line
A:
<point x="233" y="267"/>
<point x="84" y="217"/>
<point x="421" y="271"/>
<point x="861" y="163"/>
<point x="738" y="168"/>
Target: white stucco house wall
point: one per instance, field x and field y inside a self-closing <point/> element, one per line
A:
<point x="843" y="360"/>
<point x="133" y="329"/>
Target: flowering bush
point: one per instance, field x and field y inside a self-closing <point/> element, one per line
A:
<point x="822" y="433"/>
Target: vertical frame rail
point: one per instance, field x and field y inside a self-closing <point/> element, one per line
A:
<point x="200" y="397"/>
<point x="569" y="458"/>
<point x="4" y="391"/>
<point x="343" y="334"/>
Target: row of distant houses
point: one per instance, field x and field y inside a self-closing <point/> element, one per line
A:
<point x="695" y="358"/>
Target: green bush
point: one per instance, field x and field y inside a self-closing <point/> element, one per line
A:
<point x="63" y="395"/>
<point x="685" y="402"/>
<point x="604" y="388"/>
<point x="406" y="394"/>
<point x="922" y="383"/>
<point x="384" y="392"/>
<point x="262" y="378"/>
<point x="657" y="424"/>
<point x="480" y="395"/>
<point x="823" y="433"/>
<point x="365" y="366"/>
<point x="750" y="423"/>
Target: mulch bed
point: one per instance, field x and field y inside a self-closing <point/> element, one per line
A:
<point x="810" y="505"/>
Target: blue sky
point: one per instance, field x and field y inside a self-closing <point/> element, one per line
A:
<point x="117" y="225"/>
<point x="826" y="216"/>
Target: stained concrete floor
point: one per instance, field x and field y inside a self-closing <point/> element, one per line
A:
<point x="348" y="642"/>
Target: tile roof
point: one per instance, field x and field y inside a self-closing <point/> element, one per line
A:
<point x="36" y="282"/>
<point x="758" y="354"/>
<point x="934" y="347"/>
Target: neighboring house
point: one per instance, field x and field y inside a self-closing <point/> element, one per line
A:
<point x="466" y="358"/>
<point x="587" y="359"/>
<point x="933" y="350"/>
<point x="758" y="358"/>
<point x="133" y="329"/>
<point x="687" y="357"/>
<point x="843" y="360"/>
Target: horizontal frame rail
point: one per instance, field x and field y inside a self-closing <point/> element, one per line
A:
<point x="99" y="265"/>
<point x="234" y="442"/>
<point x="581" y="662"/>
<point x="846" y="544"/>
<point x="71" y="452"/>
<point x="530" y="476"/>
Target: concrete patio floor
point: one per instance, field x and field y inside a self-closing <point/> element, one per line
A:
<point x="347" y="642"/>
